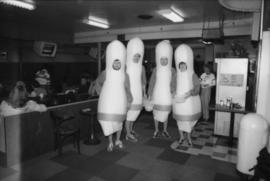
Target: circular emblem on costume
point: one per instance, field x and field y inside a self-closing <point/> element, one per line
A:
<point x="164" y="61"/>
<point x="116" y="64"/>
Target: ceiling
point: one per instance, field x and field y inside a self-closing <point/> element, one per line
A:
<point x="66" y="15"/>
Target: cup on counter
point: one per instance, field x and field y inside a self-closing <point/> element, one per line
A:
<point x="221" y="103"/>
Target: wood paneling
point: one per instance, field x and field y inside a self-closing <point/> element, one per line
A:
<point x="30" y="134"/>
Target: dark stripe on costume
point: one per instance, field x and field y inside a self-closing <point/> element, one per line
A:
<point x="111" y="117"/>
<point x="162" y="107"/>
<point x="136" y="107"/>
<point x="187" y="117"/>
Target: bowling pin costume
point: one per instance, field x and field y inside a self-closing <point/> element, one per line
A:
<point x="160" y="82"/>
<point x="186" y="112"/>
<point x="135" y="71"/>
<point x="113" y="100"/>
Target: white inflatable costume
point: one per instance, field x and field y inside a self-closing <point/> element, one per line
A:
<point x="187" y="112"/>
<point x="112" y="103"/>
<point x="160" y="82"/>
<point x="136" y="73"/>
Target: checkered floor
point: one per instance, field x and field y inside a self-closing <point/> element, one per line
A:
<point x="205" y="143"/>
<point x="148" y="159"/>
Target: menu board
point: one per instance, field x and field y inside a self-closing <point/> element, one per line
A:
<point x="234" y="80"/>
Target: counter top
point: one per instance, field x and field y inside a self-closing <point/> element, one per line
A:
<point x="73" y="103"/>
<point x="91" y="100"/>
<point x="228" y="109"/>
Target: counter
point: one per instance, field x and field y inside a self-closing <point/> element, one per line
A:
<point x="28" y="135"/>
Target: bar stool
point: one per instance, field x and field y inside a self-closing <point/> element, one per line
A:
<point x="92" y="138"/>
<point x="63" y="129"/>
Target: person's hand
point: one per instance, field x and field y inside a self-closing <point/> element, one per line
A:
<point x="26" y="108"/>
<point x="187" y="94"/>
<point x="144" y="94"/>
<point x="180" y="99"/>
<point x="149" y="98"/>
<point x="173" y="98"/>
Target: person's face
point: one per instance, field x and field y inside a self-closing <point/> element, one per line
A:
<point x="83" y="81"/>
<point x="136" y="58"/>
<point x="206" y="70"/>
<point x="182" y="67"/>
<point x="116" y="64"/>
<point x="164" y="61"/>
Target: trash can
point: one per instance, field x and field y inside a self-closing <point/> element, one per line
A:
<point x="253" y="136"/>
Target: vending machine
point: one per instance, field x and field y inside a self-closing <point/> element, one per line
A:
<point x="231" y="86"/>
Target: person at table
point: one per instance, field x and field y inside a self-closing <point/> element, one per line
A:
<point x="136" y="73"/>
<point x="186" y="101"/>
<point x="113" y="88"/>
<point x="38" y="91"/>
<point x="161" y="85"/>
<point x="207" y="82"/>
<point x="43" y="78"/>
<point x="18" y="102"/>
<point x="84" y="85"/>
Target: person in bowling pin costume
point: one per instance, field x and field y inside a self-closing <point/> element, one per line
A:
<point x="115" y="94"/>
<point x="137" y="77"/>
<point x="161" y="86"/>
<point x="186" y="103"/>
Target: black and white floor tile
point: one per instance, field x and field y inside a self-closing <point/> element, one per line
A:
<point x="148" y="159"/>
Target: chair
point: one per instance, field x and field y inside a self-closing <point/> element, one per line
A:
<point x="63" y="129"/>
<point x="92" y="138"/>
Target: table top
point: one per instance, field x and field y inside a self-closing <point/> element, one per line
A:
<point x="228" y="109"/>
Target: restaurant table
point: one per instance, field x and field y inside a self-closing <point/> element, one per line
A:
<point x="92" y="138"/>
<point x="232" y="112"/>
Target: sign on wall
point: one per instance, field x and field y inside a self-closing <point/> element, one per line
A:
<point x="235" y="80"/>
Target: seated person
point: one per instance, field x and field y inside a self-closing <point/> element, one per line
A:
<point x="17" y="102"/>
<point x="43" y="77"/>
<point x="84" y="85"/>
<point x="38" y="91"/>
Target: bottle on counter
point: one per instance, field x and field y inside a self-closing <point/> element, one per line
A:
<point x="228" y="103"/>
<point x="221" y="103"/>
<point x="231" y="103"/>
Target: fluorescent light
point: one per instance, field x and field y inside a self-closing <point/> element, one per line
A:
<point x="21" y="4"/>
<point x="172" y="14"/>
<point x="98" y="22"/>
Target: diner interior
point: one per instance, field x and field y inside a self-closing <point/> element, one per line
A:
<point x="56" y="51"/>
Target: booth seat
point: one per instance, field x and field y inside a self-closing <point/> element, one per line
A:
<point x="28" y="135"/>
